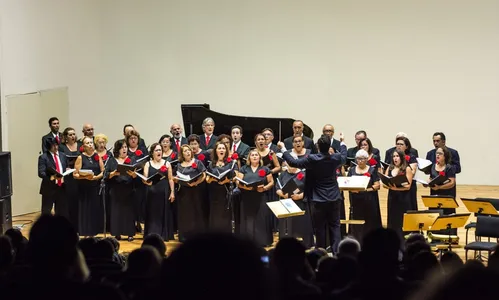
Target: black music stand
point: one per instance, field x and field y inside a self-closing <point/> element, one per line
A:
<point x="479" y="207"/>
<point x="439" y="201"/>
<point x="448" y="222"/>
<point x="419" y="220"/>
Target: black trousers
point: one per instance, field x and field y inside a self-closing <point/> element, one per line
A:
<point x="56" y="196"/>
<point x="326" y="222"/>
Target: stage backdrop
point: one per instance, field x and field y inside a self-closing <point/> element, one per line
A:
<point x="383" y="66"/>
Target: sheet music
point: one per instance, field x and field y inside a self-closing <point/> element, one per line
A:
<point x="183" y="177"/>
<point x="86" y="172"/>
<point x="290" y="205"/>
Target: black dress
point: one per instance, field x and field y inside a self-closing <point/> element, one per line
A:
<point x="140" y="188"/>
<point x="450" y="172"/>
<point x="220" y="212"/>
<point x="158" y="217"/>
<point x="122" y="206"/>
<point x="271" y="221"/>
<point x="399" y="202"/>
<point x="204" y="157"/>
<point x="364" y="206"/>
<point x="191" y="203"/>
<point x="254" y="215"/>
<point x="71" y="188"/>
<point x="298" y="226"/>
<point x="91" y="208"/>
<point x="173" y="160"/>
<point x="375" y="161"/>
<point x="414" y="188"/>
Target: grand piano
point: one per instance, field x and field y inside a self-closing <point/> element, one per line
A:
<point x="194" y="114"/>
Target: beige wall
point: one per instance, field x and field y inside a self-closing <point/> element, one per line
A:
<point x="383" y="66"/>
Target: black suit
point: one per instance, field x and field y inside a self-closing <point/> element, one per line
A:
<point x="352" y="151"/>
<point x="335" y="144"/>
<point x="322" y="189"/>
<point x="202" y="142"/>
<point x="308" y="143"/>
<point x="173" y="141"/>
<point x="389" y="154"/>
<point x="454" y="158"/>
<point x="46" y="137"/>
<point x="242" y="150"/>
<point x="50" y="191"/>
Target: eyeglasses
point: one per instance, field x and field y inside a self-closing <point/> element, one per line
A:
<point x="361" y="158"/>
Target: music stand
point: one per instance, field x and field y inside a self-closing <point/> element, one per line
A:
<point x="479" y="207"/>
<point x="419" y="220"/>
<point x="450" y="222"/>
<point x="439" y="201"/>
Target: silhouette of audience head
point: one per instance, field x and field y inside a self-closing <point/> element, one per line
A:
<point x="7" y="253"/>
<point x="290" y="256"/>
<point x="380" y="253"/>
<point x="314" y="256"/>
<point x="144" y="262"/>
<point x="451" y="262"/>
<point x="349" y="247"/>
<point x="19" y="243"/>
<point x="216" y="266"/>
<point x="156" y="241"/>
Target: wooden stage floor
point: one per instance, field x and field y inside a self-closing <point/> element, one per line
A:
<point x="463" y="191"/>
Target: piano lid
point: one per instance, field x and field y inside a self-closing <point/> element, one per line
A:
<point x="194" y="114"/>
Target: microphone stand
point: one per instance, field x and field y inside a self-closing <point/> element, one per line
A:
<point x="102" y="193"/>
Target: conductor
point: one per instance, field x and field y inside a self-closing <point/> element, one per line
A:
<point x="321" y="188"/>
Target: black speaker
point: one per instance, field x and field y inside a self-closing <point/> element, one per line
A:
<point x="5" y="214"/>
<point x="5" y="175"/>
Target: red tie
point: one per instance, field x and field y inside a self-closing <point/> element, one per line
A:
<point x="207" y="141"/>
<point x="234" y="149"/>
<point x="57" y="139"/>
<point x="178" y="145"/>
<point x="57" y="168"/>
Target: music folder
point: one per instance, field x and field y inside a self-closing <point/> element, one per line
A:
<point x="398" y="181"/>
<point x="439" y="201"/>
<point x="439" y="180"/>
<point x="85" y="172"/>
<point x="450" y="221"/>
<point x="53" y="171"/>
<point x="252" y="184"/>
<point x="153" y="178"/>
<point x="479" y="207"/>
<point x="138" y="165"/>
<point x="220" y="176"/>
<point x="424" y="165"/>
<point x="285" y="208"/>
<point x="187" y="179"/>
<point x="419" y="220"/>
<point x="353" y="183"/>
<point x="290" y="187"/>
<point x="384" y="165"/>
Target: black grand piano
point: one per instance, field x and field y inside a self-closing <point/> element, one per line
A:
<point x="194" y="114"/>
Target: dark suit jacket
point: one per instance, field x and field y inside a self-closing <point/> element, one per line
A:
<point x="45" y="161"/>
<point x="47" y="136"/>
<point x="454" y="158"/>
<point x="352" y="151"/>
<point x="243" y="150"/>
<point x="202" y="140"/>
<point x="389" y="153"/>
<point x="320" y="182"/>
<point x="335" y="144"/>
<point x="183" y="141"/>
<point x="309" y="143"/>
